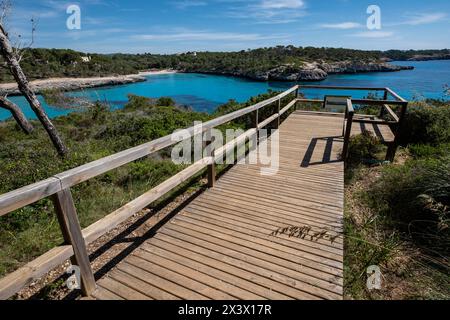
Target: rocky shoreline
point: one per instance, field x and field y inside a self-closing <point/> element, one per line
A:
<point x="71" y="84"/>
<point x="313" y="71"/>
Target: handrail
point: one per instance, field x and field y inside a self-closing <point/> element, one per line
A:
<point x="391" y="113"/>
<point x="395" y="95"/>
<point x="58" y="187"/>
<point x="341" y="88"/>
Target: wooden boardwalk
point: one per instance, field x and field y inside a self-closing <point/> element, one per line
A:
<point x="229" y="243"/>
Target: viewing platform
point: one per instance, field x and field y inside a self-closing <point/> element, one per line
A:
<point x="248" y="236"/>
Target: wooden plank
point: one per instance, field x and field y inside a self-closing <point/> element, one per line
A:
<point x="230" y="146"/>
<point x="237" y="287"/>
<point x="374" y="121"/>
<point x="309" y="100"/>
<point x="340" y="88"/>
<point x="70" y="225"/>
<point x="161" y="282"/>
<point x="391" y="113"/>
<point x="382" y="132"/>
<point x="327" y="209"/>
<point x="321" y="260"/>
<point x="15" y="281"/>
<point x="395" y="95"/>
<point x="327" y="196"/>
<point x="104" y="294"/>
<point x="188" y="278"/>
<point x="268" y="121"/>
<point x="131" y="279"/>
<point x="266" y="268"/>
<point x="287" y="107"/>
<point x="237" y="267"/>
<point x="121" y="289"/>
<point x="256" y="229"/>
<point x="265" y="250"/>
<point x="274" y="216"/>
<point x="375" y="102"/>
<point x="27" y="195"/>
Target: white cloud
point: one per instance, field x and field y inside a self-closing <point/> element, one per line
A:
<point x="342" y="26"/>
<point x="189" y="3"/>
<point x="206" y="36"/>
<point x="269" y="11"/>
<point x="282" y="4"/>
<point x="374" y="34"/>
<point x="424" y="18"/>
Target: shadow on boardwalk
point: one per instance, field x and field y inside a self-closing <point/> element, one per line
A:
<point x="327" y="152"/>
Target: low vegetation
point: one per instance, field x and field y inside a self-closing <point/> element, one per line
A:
<point x="398" y="215"/>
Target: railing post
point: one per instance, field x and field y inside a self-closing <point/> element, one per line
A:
<point x="392" y="149"/>
<point x="70" y="227"/>
<point x="279" y="116"/>
<point x="257" y="125"/>
<point x="345" y="118"/>
<point x="210" y="153"/>
<point x="348" y="132"/>
<point x="385" y="97"/>
<point x="297" y="95"/>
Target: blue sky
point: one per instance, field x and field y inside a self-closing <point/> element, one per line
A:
<point x="225" y="25"/>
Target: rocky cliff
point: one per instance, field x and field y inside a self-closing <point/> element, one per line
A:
<point x="310" y="71"/>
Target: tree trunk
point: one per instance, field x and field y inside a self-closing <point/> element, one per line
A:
<point x="17" y="114"/>
<point x="25" y="88"/>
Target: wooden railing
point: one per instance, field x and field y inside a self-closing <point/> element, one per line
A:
<point x="384" y="104"/>
<point x="58" y="188"/>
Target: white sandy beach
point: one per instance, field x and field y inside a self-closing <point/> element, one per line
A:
<point x="157" y="72"/>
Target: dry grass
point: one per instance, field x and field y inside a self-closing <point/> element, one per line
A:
<point x="408" y="271"/>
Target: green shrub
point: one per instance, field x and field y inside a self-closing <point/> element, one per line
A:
<point x="157" y="122"/>
<point x="429" y="151"/>
<point x="363" y="148"/>
<point x="416" y="194"/>
<point x="165" y="102"/>
<point x="426" y="123"/>
<point x="99" y="111"/>
<point x="138" y="103"/>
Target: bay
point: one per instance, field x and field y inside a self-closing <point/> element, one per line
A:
<point x="205" y="92"/>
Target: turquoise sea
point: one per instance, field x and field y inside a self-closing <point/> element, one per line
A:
<point x="206" y="92"/>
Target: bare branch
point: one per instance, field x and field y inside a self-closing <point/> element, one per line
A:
<point x="17" y="113"/>
<point x="5" y="10"/>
